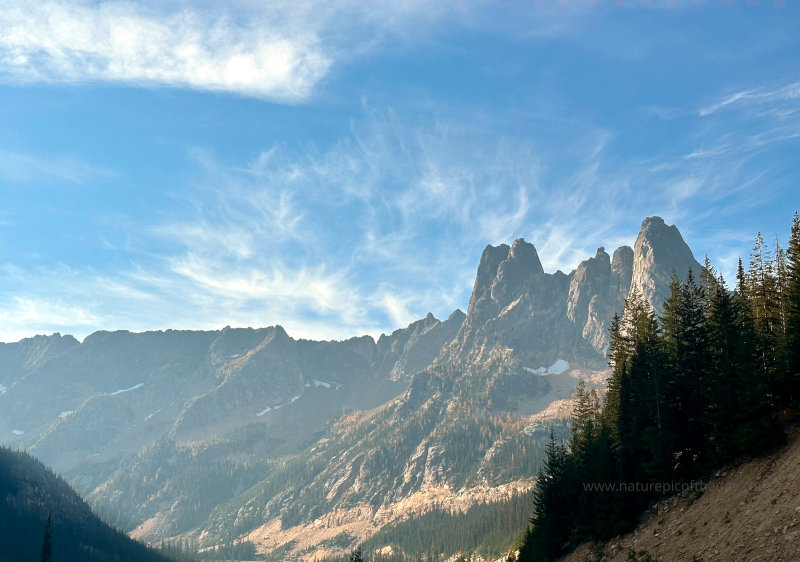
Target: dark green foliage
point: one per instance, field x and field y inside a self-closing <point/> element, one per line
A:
<point x="691" y="391"/>
<point x="243" y="550"/>
<point x="486" y="529"/>
<point x="356" y="555"/>
<point x="32" y="498"/>
<point x="201" y="476"/>
<point x="47" y="540"/>
<point x="792" y="310"/>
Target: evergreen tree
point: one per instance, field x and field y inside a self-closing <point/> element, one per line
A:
<point x="686" y="349"/>
<point x="792" y="311"/>
<point x="555" y="496"/>
<point x="618" y="356"/>
<point x="47" y="540"/>
<point x="357" y="555"/>
<point x="762" y="295"/>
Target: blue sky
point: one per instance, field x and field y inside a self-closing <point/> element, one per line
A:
<point x="337" y="167"/>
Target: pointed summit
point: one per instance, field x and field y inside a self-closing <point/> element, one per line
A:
<point x="660" y="250"/>
<point x="524" y="253"/>
<point x="487" y="270"/>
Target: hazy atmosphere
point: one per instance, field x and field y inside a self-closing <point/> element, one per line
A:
<point x="338" y="167"/>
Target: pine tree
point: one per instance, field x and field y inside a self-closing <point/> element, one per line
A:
<point x="47" y="540"/>
<point x="687" y="363"/>
<point x="792" y="311"/>
<point x="555" y="497"/>
<point x="357" y="555"/>
<point x="762" y="294"/>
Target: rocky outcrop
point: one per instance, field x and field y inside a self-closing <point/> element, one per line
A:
<point x="659" y="252"/>
<point x="543" y="317"/>
<point x="406" y="352"/>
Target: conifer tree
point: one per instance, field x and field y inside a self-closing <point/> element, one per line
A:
<point x="686" y="339"/>
<point x="792" y="310"/>
<point x="550" y="532"/>
<point x="762" y="294"/>
<point x="47" y="540"/>
<point x="357" y="555"/>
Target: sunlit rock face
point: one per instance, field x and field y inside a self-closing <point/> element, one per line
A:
<point x="659" y="251"/>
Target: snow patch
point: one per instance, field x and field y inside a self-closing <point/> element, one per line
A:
<point x="558" y="367"/>
<point x="65" y="413"/>
<point x="3" y="389"/>
<point x="308" y="384"/>
<point x="555" y="369"/>
<point x="17" y="431"/>
<point x="291" y="400"/>
<point x="322" y="383"/>
<point x="149" y="416"/>
<point x="234" y="356"/>
<point x="279" y="406"/>
<point x="121" y="390"/>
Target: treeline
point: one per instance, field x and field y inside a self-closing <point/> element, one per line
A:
<point x="703" y="384"/>
<point x="485" y="529"/>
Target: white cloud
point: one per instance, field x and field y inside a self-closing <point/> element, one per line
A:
<point x="125" y="42"/>
<point x="278" y="51"/>
<point x="25" y="316"/>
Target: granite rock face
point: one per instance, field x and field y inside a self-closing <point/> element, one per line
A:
<point x="544" y="316"/>
<point x="659" y="251"/>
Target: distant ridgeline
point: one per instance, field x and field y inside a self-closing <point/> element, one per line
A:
<point x="703" y="383"/>
<point x="29" y="494"/>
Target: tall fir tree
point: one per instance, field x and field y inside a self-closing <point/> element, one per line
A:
<point x="47" y="540"/>
<point x="792" y="311"/>
<point x="687" y="364"/>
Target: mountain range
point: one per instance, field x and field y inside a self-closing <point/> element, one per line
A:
<point x="307" y="448"/>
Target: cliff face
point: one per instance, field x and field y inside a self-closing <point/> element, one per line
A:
<point x="659" y="251"/>
<point x="543" y="316"/>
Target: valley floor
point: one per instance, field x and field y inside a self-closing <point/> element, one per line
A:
<point x="747" y="512"/>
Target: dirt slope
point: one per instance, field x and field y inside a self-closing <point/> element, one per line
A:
<point x="747" y="512"/>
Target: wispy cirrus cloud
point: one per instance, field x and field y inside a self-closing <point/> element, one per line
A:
<point x="388" y="222"/>
<point x="762" y="95"/>
<point x="24" y="167"/>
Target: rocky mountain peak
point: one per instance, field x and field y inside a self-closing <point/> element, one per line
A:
<point x="516" y="272"/>
<point x="491" y="258"/>
<point x="524" y="253"/>
<point x="622" y="260"/>
<point x="659" y="250"/>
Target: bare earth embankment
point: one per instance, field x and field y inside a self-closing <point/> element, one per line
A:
<point x="747" y="512"/>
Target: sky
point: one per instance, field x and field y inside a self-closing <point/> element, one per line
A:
<point x="338" y="166"/>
